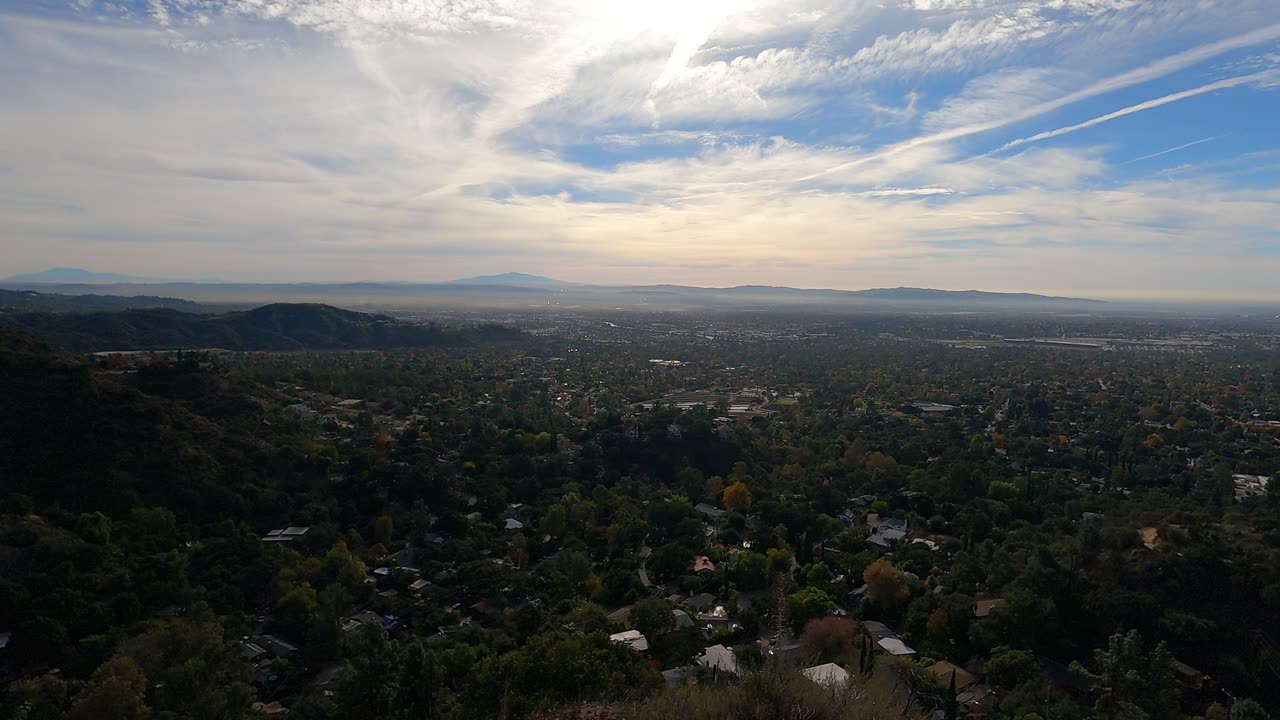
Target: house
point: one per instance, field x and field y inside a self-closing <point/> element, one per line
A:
<point x="787" y="651"/>
<point x="977" y="699"/>
<point x="983" y="608"/>
<point x="720" y="659"/>
<point x="925" y="406"/>
<point x="830" y="676"/>
<point x="886" y="538"/>
<point x="406" y="558"/>
<point x="276" y="646"/>
<point x="683" y="621"/>
<point x="632" y="639"/>
<point x="878" y="630"/>
<point x="710" y="511"/>
<point x="863" y="500"/>
<point x="1190" y="679"/>
<point x="514" y="524"/>
<point x="252" y="652"/>
<point x="702" y="601"/>
<point x="717" y="619"/>
<point x="271" y="708"/>
<point x="1250" y="486"/>
<point x="943" y="670"/>
<point x="4" y="639"/>
<point x="701" y="564"/>
<point x="876" y="522"/>
<point x="368" y="617"/>
<point x="288" y="534"/>
<point x="622" y="614"/>
<point x="417" y="586"/>
<point x="895" y="647"/>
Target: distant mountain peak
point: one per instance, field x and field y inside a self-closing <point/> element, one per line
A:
<point x="74" y="275"/>
<point x="510" y="278"/>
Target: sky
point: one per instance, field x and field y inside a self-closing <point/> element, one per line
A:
<point x="1101" y="148"/>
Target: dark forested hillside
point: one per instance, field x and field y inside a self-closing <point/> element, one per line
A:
<point x="97" y="441"/>
<point x="281" y="326"/>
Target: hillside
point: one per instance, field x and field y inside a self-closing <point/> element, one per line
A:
<point x="100" y="442"/>
<point x="32" y="300"/>
<point x="277" y="327"/>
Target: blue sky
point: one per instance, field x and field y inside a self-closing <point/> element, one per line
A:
<point x="1110" y="148"/>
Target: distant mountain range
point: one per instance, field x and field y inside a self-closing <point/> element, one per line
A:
<point x="511" y="278"/>
<point x="521" y="290"/>
<point x="76" y="275"/>
<point x="278" y="327"/>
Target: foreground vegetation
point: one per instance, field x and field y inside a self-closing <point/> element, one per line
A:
<point x="479" y="520"/>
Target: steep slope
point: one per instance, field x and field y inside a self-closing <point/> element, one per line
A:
<point x="94" y="441"/>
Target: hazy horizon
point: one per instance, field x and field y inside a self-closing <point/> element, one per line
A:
<point x="1107" y="149"/>
<point x="142" y="285"/>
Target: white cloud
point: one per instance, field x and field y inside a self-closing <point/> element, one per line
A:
<point x="420" y="139"/>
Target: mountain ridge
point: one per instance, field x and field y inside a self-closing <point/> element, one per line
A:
<point x="509" y="278"/>
<point x="76" y="275"/>
<point x="273" y="327"/>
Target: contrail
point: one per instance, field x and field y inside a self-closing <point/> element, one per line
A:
<point x="1151" y="71"/>
<point x="1219" y="85"/>
<point x="1172" y="149"/>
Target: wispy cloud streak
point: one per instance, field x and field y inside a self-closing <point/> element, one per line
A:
<point x="1171" y="150"/>
<point x="1148" y="105"/>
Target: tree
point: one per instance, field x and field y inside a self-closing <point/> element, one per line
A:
<point x="886" y="584"/>
<point x="553" y="523"/>
<point x="778" y="562"/>
<point x="553" y="669"/>
<point x="369" y="689"/>
<point x="951" y="707"/>
<point x="1009" y="668"/>
<point x="117" y="690"/>
<point x="382" y="529"/>
<point x="191" y="668"/>
<point x="1132" y="682"/>
<point x="807" y="604"/>
<point x="830" y="638"/>
<point x="421" y="683"/>
<point x="296" y="610"/>
<point x="712" y="487"/>
<point x="1248" y="709"/>
<point x="750" y="571"/>
<point x="818" y="575"/>
<point x="627" y="531"/>
<point x="653" y="617"/>
<point x="737" y="498"/>
<point x="94" y="528"/>
<point x="36" y="698"/>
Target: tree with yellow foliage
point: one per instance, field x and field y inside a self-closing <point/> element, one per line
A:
<point x="886" y="584"/>
<point x="737" y="498"/>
